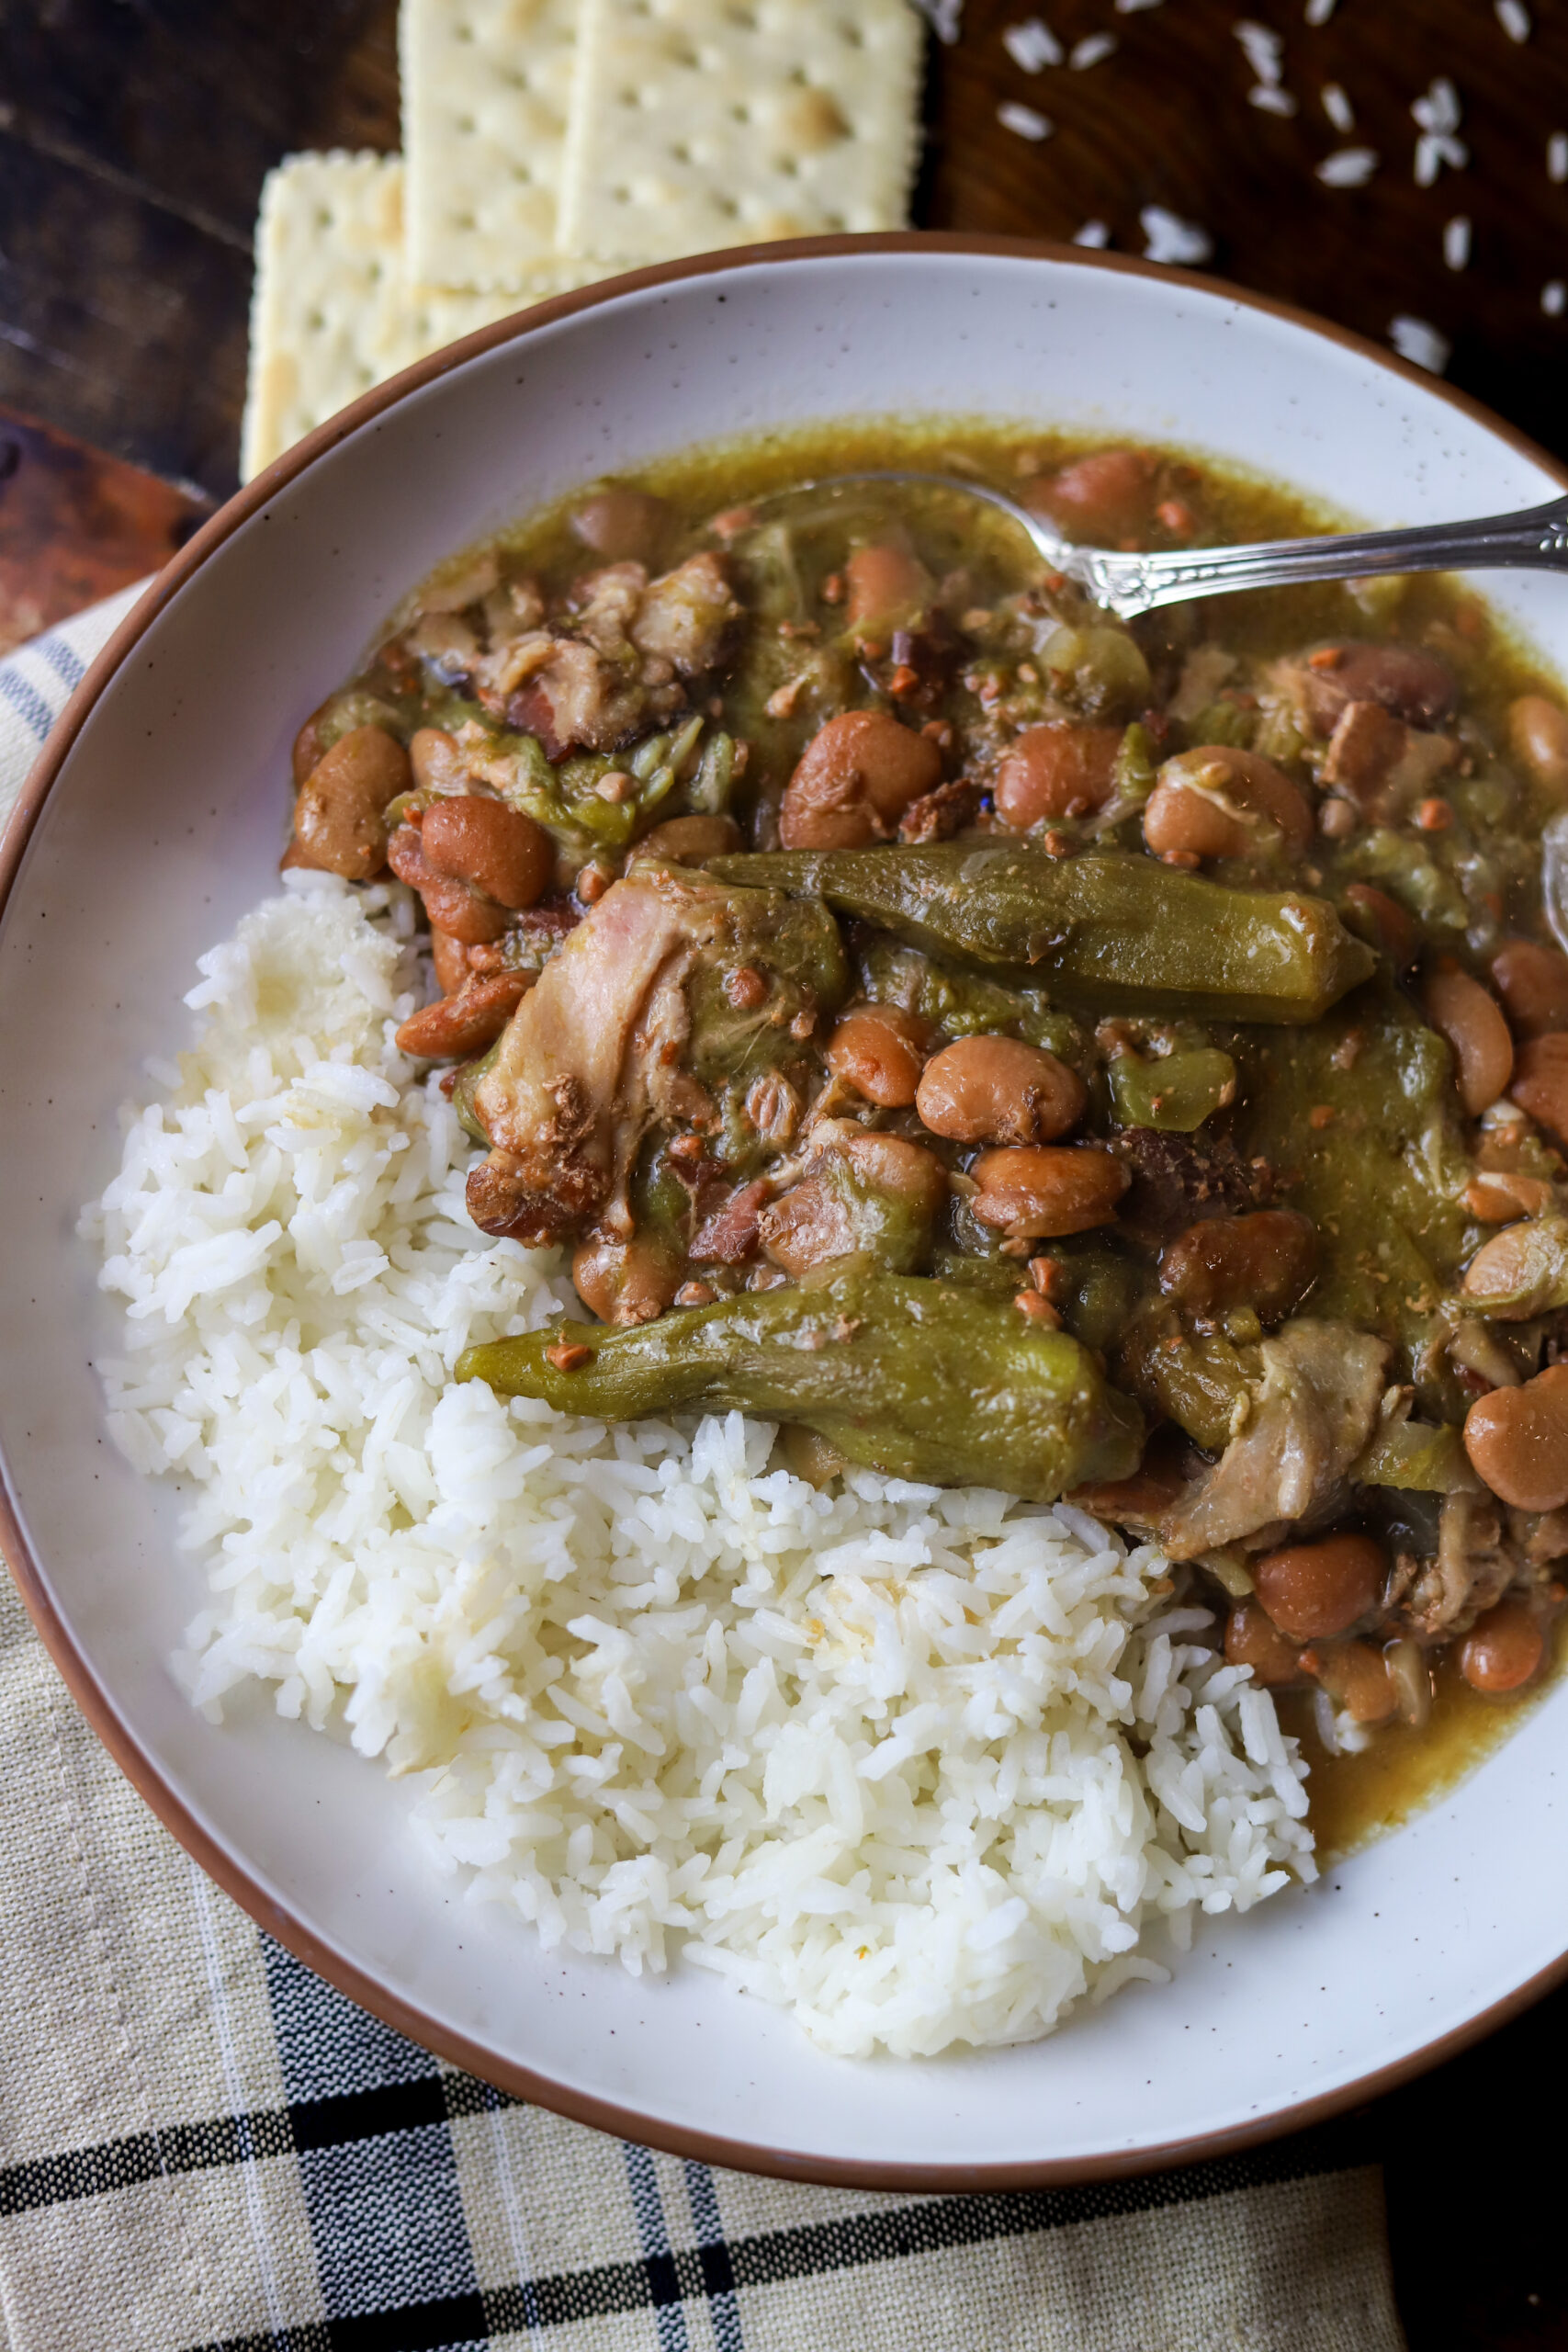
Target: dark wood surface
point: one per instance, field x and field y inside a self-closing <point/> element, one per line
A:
<point x="133" y="138"/>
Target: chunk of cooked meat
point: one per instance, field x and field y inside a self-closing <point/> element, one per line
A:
<point x="1407" y="680"/>
<point x="1179" y="1180"/>
<point x="618" y="667"/>
<point x="938" y="815"/>
<point x="1381" y="763"/>
<point x="631" y="1022"/>
<point x="1310" y="1418"/>
<point x="588" y="1060"/>
<point x="686" y="617"/>
<point x="1473" y="1565"/>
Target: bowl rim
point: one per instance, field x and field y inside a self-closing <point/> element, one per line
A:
<point x="93" y="1696"/>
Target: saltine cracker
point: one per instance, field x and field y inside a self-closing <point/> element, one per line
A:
<point x="486" y="88"/>
<point x="698" y="123"/>
<point x="332" y="310"/>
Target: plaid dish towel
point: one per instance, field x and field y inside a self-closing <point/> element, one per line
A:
<point x="204" y="2148"/>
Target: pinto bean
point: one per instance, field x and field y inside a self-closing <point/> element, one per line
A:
<point x="690" y="840"/>
<point x="456" y="1027"/>
<point x="893" y="1164"/>
<point x="1517" y="1441"/>
<point x="888" y="589"/>
<point x="1253" y="1639"/>
<point x="855" y="780"/>
<point x="338" y="817"/>
<point x="1357" y="1675"/>
<point x="1055" y="771"/>
<point x="1311" y="1590"/>
<point x="495" y="848"/>
<point x="451" y="906"/>
<point x="1533" y="980"/>
<point x="1470" y="1017"/>
<point x="1210" y="802"/>
<point x="1540" y="1082"/>
<point x="436" y="762"/>
<point x="1382" y="922"/>
<point x="622" y="525"/>
<point x="450" y="958"/>
<point x="879" y="1051"/>
<point x="1107" y="495"/>
<point x="1266" y="1260"/>
<point x="1504" y="1649"/>
<point x="626" y="1281"/>
<point x="1040" y="1190"/>
<point x="996" y="1089"/>
<point x="1537" y="731"/>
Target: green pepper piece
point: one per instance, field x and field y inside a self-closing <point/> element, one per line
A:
<point x="1381" y="1169"/>
<point x="1410" y="875"/>
<point x="963" y="1004"/>
<point x="916" y="1378"/>
<point x="1175" y="1092"/>
<point x="1096" y="1289"/>
<point x="711" y="788"/>
<point x="1113" y="922"/>
<point x="1419" y="1459"/>
<point x="1196" y="1380"/>
<point x="1221" y="722"/>
<point x="355" y="707"/>
<point x="1136" y="768"/>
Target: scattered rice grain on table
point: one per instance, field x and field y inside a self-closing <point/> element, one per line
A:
<point x="922" y="1766"/>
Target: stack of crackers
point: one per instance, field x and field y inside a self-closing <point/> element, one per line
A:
<point x="551" y="142"/>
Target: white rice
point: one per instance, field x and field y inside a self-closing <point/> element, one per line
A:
<point x="925" y="1767"/>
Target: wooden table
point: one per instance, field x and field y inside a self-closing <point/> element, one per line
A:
<point x="132" y="145"/>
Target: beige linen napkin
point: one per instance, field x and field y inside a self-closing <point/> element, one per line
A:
<point x="203" y="2148"/>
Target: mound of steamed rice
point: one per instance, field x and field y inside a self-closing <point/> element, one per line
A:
<point x="924" y="1766"/>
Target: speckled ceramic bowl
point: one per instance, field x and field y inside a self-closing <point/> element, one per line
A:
<point x="153" y="822"/>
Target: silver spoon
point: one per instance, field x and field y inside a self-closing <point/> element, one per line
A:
<point x="1536" y="541"/>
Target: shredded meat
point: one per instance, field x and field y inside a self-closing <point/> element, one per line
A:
<point x="1176" y="1183"/>
<point x="1473" y="1565"/>
<point x="729" y="1235"/>
<point x="1310" y="1418"/>
<point x="616" y="668"/>
<point x="937" y="816"/>
<point x="589" y="1058"/>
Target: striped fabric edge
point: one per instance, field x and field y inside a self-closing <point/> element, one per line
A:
<point x="666" y="2278"/>
<point x="39" y="678"/>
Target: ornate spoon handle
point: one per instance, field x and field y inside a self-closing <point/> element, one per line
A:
<point x="1536" y="539"/>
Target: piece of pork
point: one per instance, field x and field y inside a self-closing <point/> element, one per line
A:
<point x="620" y="665"/>
<point x="1381" y="764"/>
<point x="1310" y="1418"/>
<point x="686" y="617"/>
<point x="1407" y="680"/>
<point x="589" y="1060"/>
<point x="1473" y="1565"/>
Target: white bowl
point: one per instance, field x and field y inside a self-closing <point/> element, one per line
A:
<point x="153" y="820"/>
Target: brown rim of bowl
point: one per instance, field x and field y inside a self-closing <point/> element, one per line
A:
<point x="94" y="1702"/>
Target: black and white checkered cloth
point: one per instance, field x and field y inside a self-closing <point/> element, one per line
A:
<point x="204" y="2148"/>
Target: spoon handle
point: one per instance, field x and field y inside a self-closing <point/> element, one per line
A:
<point x="1536" y="539"/>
